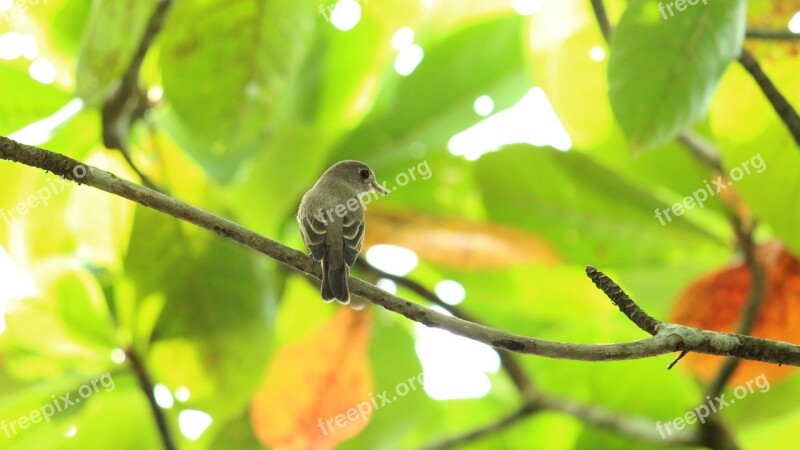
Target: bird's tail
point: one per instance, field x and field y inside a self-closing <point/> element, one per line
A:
<point x="334" y="278"/>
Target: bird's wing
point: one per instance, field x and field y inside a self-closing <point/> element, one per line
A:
<point x="353" y="237"/>
<point x="314" y="232"/>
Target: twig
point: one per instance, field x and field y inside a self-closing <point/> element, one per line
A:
<point x="147" y="386"/>
<point x="623" y="302"/>
<point x="772" y="35"/>
<point x="680" y="357"/>
<point x="782" y="107"/>
<point x="478" y="433"/>
<point x="701" y="149"/>
<point x="669" y="337"/>
<point x="602" y="19"/>
<point x="752" y="307"/>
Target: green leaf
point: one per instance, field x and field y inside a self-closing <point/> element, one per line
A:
<point x="217" y="313"/>
<point x="109" y="43"/>
<point x="240" y="66"/>
<point x="664" y="69"/>
<point x="25" y="100"/>
<point x="435" y="101"/>
<point x="587" y="211"/>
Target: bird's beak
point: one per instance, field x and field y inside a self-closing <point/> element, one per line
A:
<point x="378" y="188"/>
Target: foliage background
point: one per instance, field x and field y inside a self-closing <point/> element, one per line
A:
<point x="253" y="100"/>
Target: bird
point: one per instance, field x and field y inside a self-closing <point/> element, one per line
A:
<point x="331" y="219"/>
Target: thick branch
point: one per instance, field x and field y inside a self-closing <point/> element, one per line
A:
<point x="669" y="337"/>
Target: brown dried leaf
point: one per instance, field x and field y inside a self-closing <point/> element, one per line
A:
<point x="458" y="243"/>
<point x="312" y="381"/>
<point x="715" y="301"/>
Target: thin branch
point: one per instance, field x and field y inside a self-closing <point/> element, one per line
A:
<point x="127" y="103"/>
<point x="510" y="363"/>
<point x="782" y="107"/>
<point x="701" y="149"/>
<point x="623" y="302"/>
<point x="715" y="435"/>
<point x="639" y="428"/>
<point x="680" y="357"/>
<point x="669" y="337"/>
<point x="602" y="19"/>
<point x="752" y="307"/>
<point x="500" y="425"/>
<point x="147" y="387"/>
<point x="771" y="35"/>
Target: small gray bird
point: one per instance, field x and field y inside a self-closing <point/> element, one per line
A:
<point x="331" y="218"/>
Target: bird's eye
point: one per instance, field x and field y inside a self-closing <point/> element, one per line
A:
<point x="364" y="173"/>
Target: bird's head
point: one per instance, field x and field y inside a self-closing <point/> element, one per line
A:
<point x="355" y="174"/>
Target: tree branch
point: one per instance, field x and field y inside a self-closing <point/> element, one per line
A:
<point x="749" y="314"/>
<point x="127" y="103"/>
<point x="623" y="302"/>
<point x="500" y="425"/>
<point x="771" y="35"/>
<point x="668" y="338"/>
<point x="602" y="19"/>
<point x="782" y="107"/>
<point x="638" y="428"/>
<point x="147" y="387"/>
<point x="701" y="149"/>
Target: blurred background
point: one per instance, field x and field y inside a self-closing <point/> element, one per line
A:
<point x="518" y="146"/>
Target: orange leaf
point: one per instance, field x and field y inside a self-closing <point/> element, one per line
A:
<point x="458" y="243"/>
<point x="316" y="380"/>
<point x="715" y="302"/>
